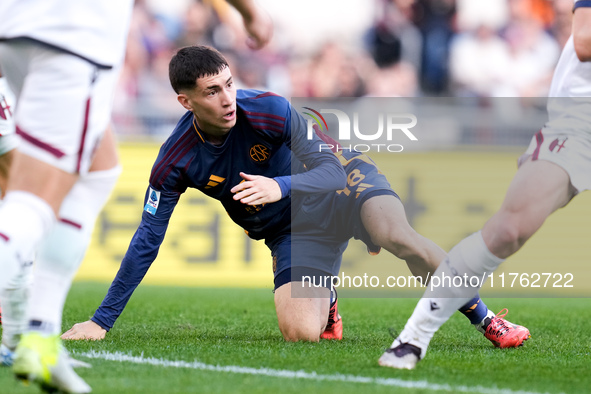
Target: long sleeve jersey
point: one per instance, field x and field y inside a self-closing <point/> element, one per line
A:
<point x="270" y="139"/>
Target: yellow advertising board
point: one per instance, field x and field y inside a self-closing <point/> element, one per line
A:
<point x="447" y="196"/>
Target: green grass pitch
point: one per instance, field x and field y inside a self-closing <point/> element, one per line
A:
<point x="229" y="341"/>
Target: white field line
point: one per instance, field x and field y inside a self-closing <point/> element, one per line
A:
<point x="287" y="374"/>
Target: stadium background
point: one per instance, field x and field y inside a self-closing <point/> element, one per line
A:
<point x="482" y="53"/>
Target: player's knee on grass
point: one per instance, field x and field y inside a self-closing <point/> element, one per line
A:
<point x="296" y="332"/>
<point x="301" y="316"/>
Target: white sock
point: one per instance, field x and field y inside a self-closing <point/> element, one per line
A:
<point x="15" y="296"/>
<point x="14" y="300"/>
<point x="25" y="220"/>
<point x="470" y="257"/>
<point x="60" y="255"/>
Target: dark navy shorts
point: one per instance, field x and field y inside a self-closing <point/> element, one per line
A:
<point x="323" y="224"/>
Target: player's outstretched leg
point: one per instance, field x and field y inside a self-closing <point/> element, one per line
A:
<point x="439" y="302"/>
<point x="385" y="221"/>
<point x="520" y="216"/>
<point x="406" y="351"/>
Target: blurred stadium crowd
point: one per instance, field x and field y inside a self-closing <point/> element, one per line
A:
<point x="407" y="48"/>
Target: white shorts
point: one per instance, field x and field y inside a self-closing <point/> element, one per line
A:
<point x="8" y="139"/>
<point x="571" y="151"/>
<point x="63" y="103"/>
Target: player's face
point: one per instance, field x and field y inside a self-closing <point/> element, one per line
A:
<point x="213" y="102"/>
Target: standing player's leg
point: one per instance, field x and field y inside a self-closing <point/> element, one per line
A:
<point x="538" y="189"/>
<point x="7" y="144"/>
<point x="60" y="255"/>
<point x="15" y="295"/>
<point x="35" y="189"/>
<point x="384" y="219"/>
<point x="59" y="125"/>
<point x="379" y="220"/>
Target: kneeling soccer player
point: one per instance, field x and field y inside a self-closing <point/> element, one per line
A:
<point x="306" y="203"/>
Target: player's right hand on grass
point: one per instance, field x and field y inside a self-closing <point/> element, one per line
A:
<point x="88" y="330"/>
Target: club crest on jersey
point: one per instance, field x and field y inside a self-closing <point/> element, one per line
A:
<point x="5" y="112"/>
<point x="259" y="153"/>
<point x="557" y="143"/>
<point x="153" y="201"/>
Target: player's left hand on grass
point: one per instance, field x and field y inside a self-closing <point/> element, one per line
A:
<point x="256" y="190"/>
<point x="88" y="330"/>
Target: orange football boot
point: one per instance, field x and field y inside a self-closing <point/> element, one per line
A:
<point x="334" y="327"/>
<point x="503" y="333"/>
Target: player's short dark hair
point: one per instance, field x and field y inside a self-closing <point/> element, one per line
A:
<point x="193" y="62"/>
